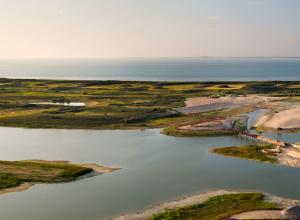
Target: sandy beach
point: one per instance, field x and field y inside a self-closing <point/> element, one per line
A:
<point x="285" y="120"/>
<point x="204" y="104"/>
<point x="20" y="188"/>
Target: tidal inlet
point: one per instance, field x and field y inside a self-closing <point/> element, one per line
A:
<point x="149" y="110"/>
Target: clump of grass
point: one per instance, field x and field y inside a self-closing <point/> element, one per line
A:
<point x="252" y="152"/>
<point x="219" y="207"/>
<point x="9" y="181"/>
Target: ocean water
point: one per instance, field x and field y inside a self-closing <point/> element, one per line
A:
<point x="185" y="69"/>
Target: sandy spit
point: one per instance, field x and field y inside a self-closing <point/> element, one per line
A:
<point x="185" y="201"/>
<point x="202" y="197"/>
<point x="98" y="170"/>
<point x="22" y="187"/>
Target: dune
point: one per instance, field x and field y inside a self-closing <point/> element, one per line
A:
<point x="287" y="119"/>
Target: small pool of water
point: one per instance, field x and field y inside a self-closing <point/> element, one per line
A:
<point x="75" y="104"/>
<point x="155" y="168"/>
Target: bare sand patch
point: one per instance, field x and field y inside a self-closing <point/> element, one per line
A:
<point x="204" y="104"/>
<point x="262" y="214"/>
<point x="287" y="119"/>
<point x="210" y="125"/>
<point x="99" y="168"/>
<point x="22" y="187"/>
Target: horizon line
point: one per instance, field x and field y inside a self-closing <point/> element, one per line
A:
<point x="164" y="57"/>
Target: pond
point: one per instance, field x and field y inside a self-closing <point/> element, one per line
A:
<point x="155" y="168"/>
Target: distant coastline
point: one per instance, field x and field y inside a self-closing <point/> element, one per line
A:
<point x="156" y="69"/>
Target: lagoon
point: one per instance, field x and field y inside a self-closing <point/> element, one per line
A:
<point x="155" y="168"/>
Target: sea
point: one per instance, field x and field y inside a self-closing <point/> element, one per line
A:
<point x="156" y="69"/>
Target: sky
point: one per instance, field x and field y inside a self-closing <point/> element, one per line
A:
<point x="34" y="29"/>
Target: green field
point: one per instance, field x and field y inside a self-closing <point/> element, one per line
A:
<point x="219" y="207"/>
<point x="114" y="104"/>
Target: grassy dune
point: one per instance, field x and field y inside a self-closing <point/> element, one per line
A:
<point x="219" y="207"/>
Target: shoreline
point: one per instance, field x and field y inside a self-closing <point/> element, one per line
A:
<point x="198" y="198"/>
<point x="22" y="187"/>
<point x="96" y="170"/>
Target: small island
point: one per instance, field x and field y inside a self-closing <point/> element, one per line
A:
<point x="221" y="204"/>
<point x="20" y="175"/>
<point x="250" y="152"/>
<point x="219" y="207"/>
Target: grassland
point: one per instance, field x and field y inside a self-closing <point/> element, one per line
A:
<point x="219" y="207"/>
<point x="251" y="152"/>
<point x="14" y="173"/>
<point x="114" y="104"/>
<point x="175" y="131"/>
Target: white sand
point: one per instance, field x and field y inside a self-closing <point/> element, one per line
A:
<point x="287" y="119"/>
<point x="204" y="104"/>
<point x="99" y="168"/>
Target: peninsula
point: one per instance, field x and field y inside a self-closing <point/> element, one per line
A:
<point x="20" y="175"/>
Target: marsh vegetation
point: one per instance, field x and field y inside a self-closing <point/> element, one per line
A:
<point x="251" y="152"/>
<point x="14" y="173"/>
<point x="114" y="104"/>
<point x="219" y="207"/>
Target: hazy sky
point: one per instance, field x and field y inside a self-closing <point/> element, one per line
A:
<point x="148" y="28"/>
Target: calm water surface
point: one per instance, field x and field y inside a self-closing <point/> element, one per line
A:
<point x="184" y="69"/>
<point x="155" y="168"/>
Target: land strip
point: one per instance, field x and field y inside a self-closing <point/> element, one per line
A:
<point x="20" y="175"/>
<point x="117" y="104"/>
<point x="216" y="205"/>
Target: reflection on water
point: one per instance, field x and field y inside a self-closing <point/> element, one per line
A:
<point x="155" y="168"/>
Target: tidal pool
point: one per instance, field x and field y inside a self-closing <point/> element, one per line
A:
<point x="155" y="168"/>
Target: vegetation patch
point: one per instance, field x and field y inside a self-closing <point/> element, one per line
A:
<point x="219" y="207"/>
<point x="175" y="131"/>
<point x="9" y="181"/>
<point x="115" y="104"/>
<point x="251" y="152"/>
<point x="14" y="173"/>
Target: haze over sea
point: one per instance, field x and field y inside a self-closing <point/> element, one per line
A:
<point x="158" y="69"/>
